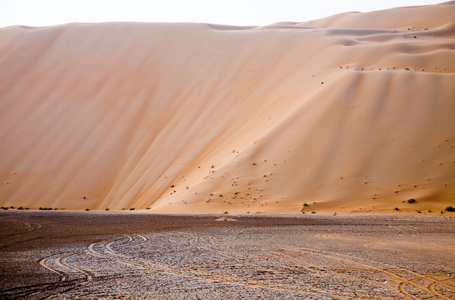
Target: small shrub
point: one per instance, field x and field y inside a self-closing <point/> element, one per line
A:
<point x="221" y="195"/>
<point x="334" y="214"/>
<point x="305" y="204"/>
<point x="396" y="208"/>
<point x="172" y="186"/>
<point x="132" y="208"/>
<point x="147" y="208"/>
<point x="46" y="208"/>
<point x="226" y="212"/>
<point x="450" y="208"/>
<point x="412" y="200"/>
<point x="407" y="69"/>
<point x="87" y="209"/>
<point x="430" y="211"/>
<point x="313" y="212"/>
<point x="106" y="209"/>
<point x="20" y="208"/>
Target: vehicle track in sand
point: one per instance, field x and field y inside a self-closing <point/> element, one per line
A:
<point x="286" y="268"/>
<point x="398" y="275"/>
<point x="9" y="239"/>
<point x="58" y="264"/>
<point x="428" y="290"/>
<point x="237" y="279"/>
<point x="104" y="249"/>
<point x="258" y="266"/>
<point x="43" y="291"/>
<point x="122" y="249"/>
<point x="323" y="260"/>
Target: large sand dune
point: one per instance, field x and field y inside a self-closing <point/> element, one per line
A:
<point x="355" y="112"/>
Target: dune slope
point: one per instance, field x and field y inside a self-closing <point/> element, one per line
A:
<point x="355" y="112"/>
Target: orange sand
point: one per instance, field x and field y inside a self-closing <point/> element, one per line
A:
<point x="355" y="112"/>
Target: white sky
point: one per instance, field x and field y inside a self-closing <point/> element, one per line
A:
<point x="232" y="12"/>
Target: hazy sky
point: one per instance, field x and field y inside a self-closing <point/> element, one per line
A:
<point x="232" y="12"/>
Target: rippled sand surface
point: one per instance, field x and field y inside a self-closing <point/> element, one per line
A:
<point x="353" y="112"/>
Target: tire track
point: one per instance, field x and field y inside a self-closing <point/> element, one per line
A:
<point x="403" y="282"/>
<point x="289" y="268"/>
<point x="10" y="239"/>
<point x="402" y="287"/>
<point x="138" y="262"/>
<point x="44" y="290"/>
<point x="144" y="239"/>
<point x="195" y="275"/>
<point x="42" y="262"/>
<point x="236" y="279"/>
<point x="91" y="250"/>
<point x="253" y="283"/>
<point x="351" y="259"/>
<point x="89" y="276"/>
<point x="29" y="227"/>
<point x="58" y="264"/>
<point x="432" y="287"/>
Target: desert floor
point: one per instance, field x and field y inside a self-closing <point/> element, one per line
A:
<point x="107" y="255"/>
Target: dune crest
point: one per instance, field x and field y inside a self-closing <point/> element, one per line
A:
<point x="353" y="112"/>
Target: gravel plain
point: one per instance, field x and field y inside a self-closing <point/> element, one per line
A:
<point x="112" y="255"/>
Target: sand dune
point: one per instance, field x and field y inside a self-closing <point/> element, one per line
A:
<point x="354" y="112"/>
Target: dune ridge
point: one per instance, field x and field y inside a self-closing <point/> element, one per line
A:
<point x="354" y="112"/>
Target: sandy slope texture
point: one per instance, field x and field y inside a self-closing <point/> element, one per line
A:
<point x="354" y="112"/>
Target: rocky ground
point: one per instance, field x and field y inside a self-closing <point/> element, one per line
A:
<point x="110" y="255"/>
